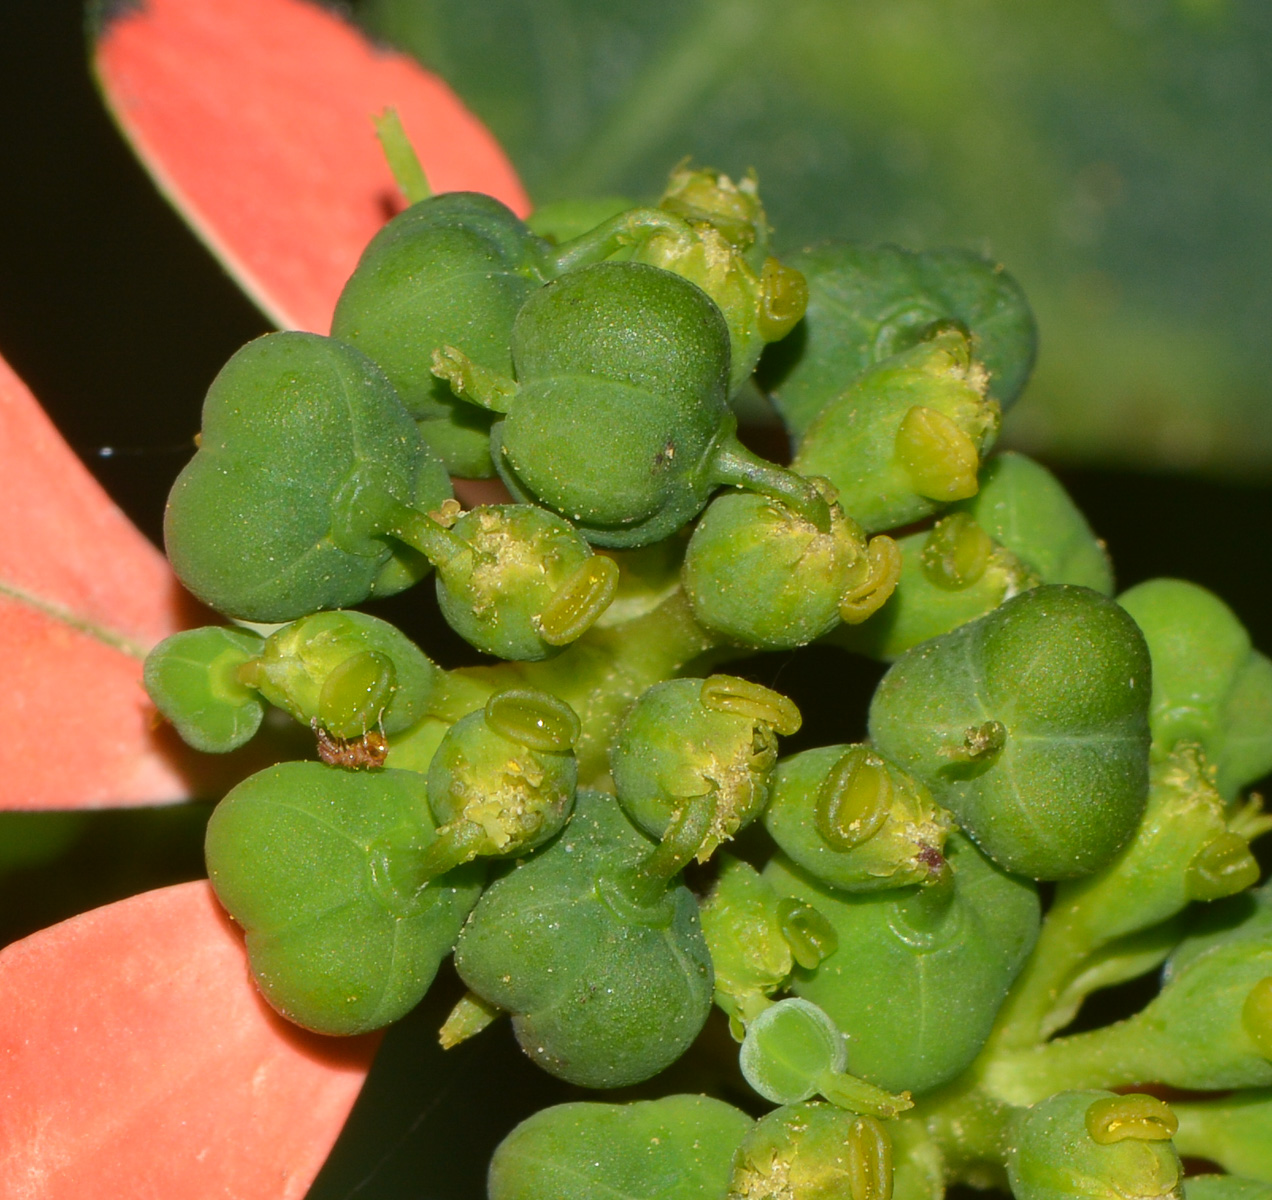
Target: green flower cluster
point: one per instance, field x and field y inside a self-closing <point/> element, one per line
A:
<point x="874" y="932"/>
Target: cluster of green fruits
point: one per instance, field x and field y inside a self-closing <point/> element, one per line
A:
<point x="876" y="938"/>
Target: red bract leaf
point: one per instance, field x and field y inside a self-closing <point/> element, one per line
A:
<point x="254" y="116"/>
<point x="83" y="596"/>
<point x="137" y="1059"/>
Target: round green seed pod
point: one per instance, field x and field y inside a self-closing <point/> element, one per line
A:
<point x="856" y="821"/>
<point x="508" y="796"/>
<point x="1031" y="726"/>
<point x="685" y="738"/>
<point x="527" y="585"/>
<point x="919" y="973"/>
<point x="623" y="371"/>
<point x="905" y="438"/>
<point x="450" y="270"/>
<point x="604" y="991"/>
<point x="193" y="678"/>
<point x="867" y="303"/>
<point x="814" y="1152"/>
<point x="304" y="427"/>
<point x="346" y="671"/>
<point x="674" y="1148"/>
<point x="761" y="575"/>
<point x="316" y="864"/>
<point x="1055" y="1155"/>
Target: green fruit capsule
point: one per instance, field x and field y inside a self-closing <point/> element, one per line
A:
<point x="1209" y="684"/>
<point x="813" y="1152"/>
<point x="1024" y="508"/>
<point x="306" y="428"/>
<point x="601" y="963"/>
<point x="867" y="303"/>
<point x="759" y="574"/>
<point x="906" y="438"/>
<point x="856" y="821"/>
<point x="346" y="672"/>
<point x="502" y="780"/>
<point x="193" y="678"/>
<point x="519" y="581"/>
<point x="687" y="738"/>
<point x="1031" y="726"/>
<point x="951" y="574"/>
<point x="1094" y="1144"/>
<point x="919" y="973"/>
<point x="675" y="1148"/>
<point x="317" y="865"/>
<point x="619" y="419"/>
<point x="452" y="269"/>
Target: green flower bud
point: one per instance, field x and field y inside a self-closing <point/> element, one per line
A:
<point x="855" y="821"/>
<point x="759" y="574"/>
<point x="1094" y="1144"/>
<point x="193" y="678"/>
<point x="793" y="1051"/>
<point x="451" y="269"/>
<point x="676" y="1148"/>
<point x="689" y="737"/>
<point x="1031" y="726"/>
<point x="722" y="239"/>
<point x="317" y="866"/>
<point x="607" y="982"/>
<point x="867" y="303"/>
<point x="950" y="574"/>
<point x="919" y="972"/>
<point x="503" y="778"/>
<point x="305" y="426"/>
<point x="1206" y="677"/>
<point x="1023" y="507"/>
<point x="813" y="1152"/>
<point x="906" y="438"/>
<point x="346" y="672"/>
<point x="519" y="582"/>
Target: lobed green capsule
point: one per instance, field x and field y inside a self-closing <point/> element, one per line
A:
<point x="454" y="268"/>
<point x="607" y="984"/>
<point x="674" y="1148"/>
<point x="1031" y="726"/>
<point x="318" y="866"/>
<point x="919" y="973"/>
<point x="305" y="426"/>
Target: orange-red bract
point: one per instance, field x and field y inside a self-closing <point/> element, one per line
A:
<point x="138" y="1060"/>
<point x="254" y="116"/>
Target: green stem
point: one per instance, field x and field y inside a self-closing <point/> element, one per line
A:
<point x="419" y="531"/>
<point x="685" y="834"/>
<point x="626" y="229"/>
<point x="401" y="156"/>
<point x="734" y="464"/>
<point x="970" y="1127"/>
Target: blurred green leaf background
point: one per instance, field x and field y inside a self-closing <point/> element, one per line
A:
<point x="1113" y="154"/>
